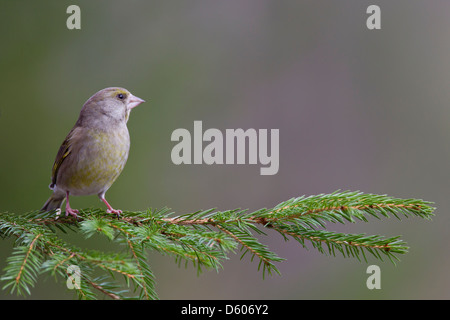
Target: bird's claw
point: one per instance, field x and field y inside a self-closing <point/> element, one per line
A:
<point x="72" y="212"/>
<point x="114" y="211"/>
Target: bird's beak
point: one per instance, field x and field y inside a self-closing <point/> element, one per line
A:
<point x="134" y="102"/>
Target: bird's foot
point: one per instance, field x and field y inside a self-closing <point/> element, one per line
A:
<point x="111" y="209"/>
<point x="69" y="210"/>
<point x="114" y="211"/>
<point x="72" y="212"/>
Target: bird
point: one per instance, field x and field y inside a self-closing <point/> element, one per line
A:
<point x="94" y="152"/>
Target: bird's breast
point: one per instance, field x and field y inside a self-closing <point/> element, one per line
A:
<point x="97" y="161"/>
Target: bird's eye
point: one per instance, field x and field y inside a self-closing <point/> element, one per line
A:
<point x="120" y="96"/>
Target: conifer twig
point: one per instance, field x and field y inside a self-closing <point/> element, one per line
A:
<point x="203" y="238"/>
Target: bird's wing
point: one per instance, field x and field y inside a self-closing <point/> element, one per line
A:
<point x="62" y="154"/>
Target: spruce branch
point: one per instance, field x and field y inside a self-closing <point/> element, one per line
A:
<point x="203" y="238"/>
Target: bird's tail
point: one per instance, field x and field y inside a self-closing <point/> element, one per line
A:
<point x="53" y="203"/>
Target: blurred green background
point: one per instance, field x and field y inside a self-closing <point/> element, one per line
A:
<point x="357" y="110"/>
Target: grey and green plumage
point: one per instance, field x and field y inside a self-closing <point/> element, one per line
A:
<point x="95" y="151"/>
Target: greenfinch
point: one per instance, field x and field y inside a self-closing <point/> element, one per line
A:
<point x="95" y="151"/>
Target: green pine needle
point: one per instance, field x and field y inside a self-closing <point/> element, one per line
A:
<point x="203" y="238"/>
